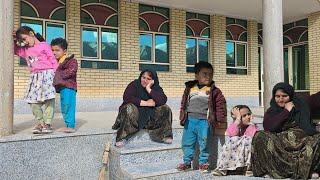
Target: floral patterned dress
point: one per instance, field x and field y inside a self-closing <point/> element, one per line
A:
<point x="236" y="152"/>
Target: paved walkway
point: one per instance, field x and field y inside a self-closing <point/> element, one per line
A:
<point x="23" y="123"/>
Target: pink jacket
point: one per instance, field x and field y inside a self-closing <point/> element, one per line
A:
<point x="233" y="130"/>
<point x="39" y="57"/>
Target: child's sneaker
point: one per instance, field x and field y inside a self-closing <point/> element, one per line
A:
<point x="47" y="129"/>
<point x="184" y="167"/>
<point x="204" y="168"/>
<point x="37" y="129"/>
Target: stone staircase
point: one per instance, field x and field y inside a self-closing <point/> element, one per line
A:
<point x="143" y="159"/>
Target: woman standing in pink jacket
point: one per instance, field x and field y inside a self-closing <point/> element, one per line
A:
<point x="236" y="152"/>
<point x="42" y="66"/>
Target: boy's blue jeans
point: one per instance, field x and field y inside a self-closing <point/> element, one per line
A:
<point x="68" y="106"/>
<point x="195" y="130"/>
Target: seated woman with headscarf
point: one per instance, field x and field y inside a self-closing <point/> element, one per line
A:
<point x="290" y="145"/>
<point x="144" y="107"/>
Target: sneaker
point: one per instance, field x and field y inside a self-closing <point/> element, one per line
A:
<point x="184" y="167"/>
<point x="47" y="129"/>
<point x="37" y="129"/>
<point x="218" y="172"/>
<point x="204" y="167"/>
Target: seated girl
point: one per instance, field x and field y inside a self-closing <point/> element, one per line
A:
<point x="236" y="152"/>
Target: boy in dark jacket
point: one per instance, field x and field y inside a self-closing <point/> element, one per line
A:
<point x="65" y="82"/>
<point x="203" y="105"/>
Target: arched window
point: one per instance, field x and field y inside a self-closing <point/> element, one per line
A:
<point x="99" y="34"/>
<point x="154" y="38"/>
<point x="197" y="40"/>
<point x="45" y="17"/>
<point x="236" y="46"/>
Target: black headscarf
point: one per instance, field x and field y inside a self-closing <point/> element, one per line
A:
<point x="301" y="111"/>
<point x="145" y="113"/>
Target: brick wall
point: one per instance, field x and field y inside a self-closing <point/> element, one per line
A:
<point x="21" y="75"/>
<point x="314" y="49"/>
<point x="234" y="85"/>
<point x="111" y="83"/>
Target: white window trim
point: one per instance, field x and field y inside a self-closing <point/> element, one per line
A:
<point x="235" y="55"/>
<point x="197" y="50"/>
<point x="99" y="41"/>
<point x="153" y="48"/>
<point x="44" y="24"/>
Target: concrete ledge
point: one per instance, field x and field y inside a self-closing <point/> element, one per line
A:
<point x="31" y="137"/>
<point x="112" y="104"/>
<point x="74" y="157"/>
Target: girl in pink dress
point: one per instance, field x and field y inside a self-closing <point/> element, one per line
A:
<point x="236" y="152"/>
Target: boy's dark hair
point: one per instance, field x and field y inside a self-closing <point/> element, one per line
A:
<point x="27" y="30"/>
<point x="201" y="64"/>
<point x="60" y="42"/>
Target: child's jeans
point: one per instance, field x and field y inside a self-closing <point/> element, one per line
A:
<point x="45" y="116"/>
<point x="68" y="106"/>
<point x="195" y="130"/>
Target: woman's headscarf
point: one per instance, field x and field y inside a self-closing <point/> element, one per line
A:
<point x="145" y="113"/>
<point x="300" y="112"/>
<point x="142" y="93"/>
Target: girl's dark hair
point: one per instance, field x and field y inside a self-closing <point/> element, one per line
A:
<point x="27" y="30"/>
<point x="60" y="42"/>
<point x="241" y="107"/>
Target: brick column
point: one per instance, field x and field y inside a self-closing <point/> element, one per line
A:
<point x="6" y="68"/>
<point x="129" y="36"/>
<point x="253" y="58"/>
<point x="74" y="28"/>
<point x="314" y="51"/>
<point x="218" y="47"/>
<point x="21" y="74"/>
<point x="177" y="43"/>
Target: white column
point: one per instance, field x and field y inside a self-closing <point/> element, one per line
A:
<point x="6" y="67"/>
<point x="272" y="47"/>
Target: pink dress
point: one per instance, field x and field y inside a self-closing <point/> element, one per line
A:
<point x="236" y="152"/>
<point x="42" y="65"/>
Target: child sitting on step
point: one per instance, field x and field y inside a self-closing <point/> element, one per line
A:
<point x="203" y="105"/>
<point x="236" y="152"/>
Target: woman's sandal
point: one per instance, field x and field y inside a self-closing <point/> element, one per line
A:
<point x="315" y="175"/>
<point x="120" y="143"/>
<point x="167" y="140"/>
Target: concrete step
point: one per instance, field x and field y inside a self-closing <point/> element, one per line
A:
<point x="55" y="156"/>
<point x="152" y="169"/>
<point x="161" y="171"/>
<point x="143" y="136"/>
<point x="139" y="151"/>
<point x="128" y="161"/>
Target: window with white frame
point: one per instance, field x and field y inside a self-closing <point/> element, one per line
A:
<point x="99" y="35"/>
<point x="154" y="38"/>
<point x="50" y="25"/>
<point x="197" y="40"/>
<point x="236" y="46"/>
